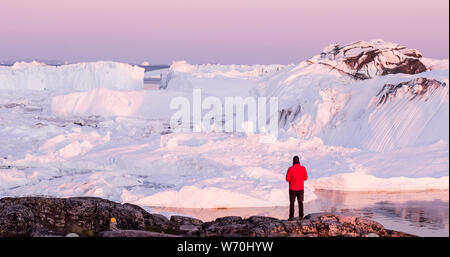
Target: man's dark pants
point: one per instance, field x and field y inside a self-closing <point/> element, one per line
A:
<point x="299" y="195"/>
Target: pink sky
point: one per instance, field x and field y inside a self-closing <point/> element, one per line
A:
<point x="206" y="31"/>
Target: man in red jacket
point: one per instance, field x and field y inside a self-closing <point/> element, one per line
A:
<point x="296" y="175"/>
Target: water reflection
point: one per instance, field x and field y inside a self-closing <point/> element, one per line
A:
<point x="418" y="213"/>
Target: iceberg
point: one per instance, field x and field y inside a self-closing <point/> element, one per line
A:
<point x="77" y="77"/>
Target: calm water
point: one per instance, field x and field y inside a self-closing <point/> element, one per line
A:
<point x="418" y="213"/>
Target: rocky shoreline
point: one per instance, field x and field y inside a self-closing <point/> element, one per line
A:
<point x="96" y="217"/>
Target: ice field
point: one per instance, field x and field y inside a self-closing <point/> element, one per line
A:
<point x="92" y="129"/>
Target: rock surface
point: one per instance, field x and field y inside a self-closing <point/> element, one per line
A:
<point x="313" y="225"/>
<point x="364" y="60"/>
<point x="133" y="233"/>
<point x="90" y="216"/>
<point x="86" y="216"/>
<point x="414" y="88"/>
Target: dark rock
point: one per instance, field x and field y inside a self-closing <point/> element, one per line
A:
<point x="182" y="220"/>
<point x="261" y="219"/>
<point x="86" y="216"/>
<point x="328" y="224"/>
<point x="16" y="220"/>
<point x="90" y="216"/>
<point x="417" y="87"/>
<point x="157" y="222"/>
<point x="239" y="228"/>
<point x="184" y="225"/>
<point x="46" y="233"/>
<point x="318" y="224"/>
<point x="228" y="219"/>
<point x="134" y="233"/>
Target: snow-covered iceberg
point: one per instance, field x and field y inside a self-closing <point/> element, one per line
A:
<point x="78" y="77"/>
<point x="317" y="100"/>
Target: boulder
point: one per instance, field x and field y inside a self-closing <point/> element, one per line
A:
<point x="184" y="225"/>
<point x="86" y="216"/>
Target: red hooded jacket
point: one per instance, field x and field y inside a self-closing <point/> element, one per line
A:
<point x="296" y="175"/>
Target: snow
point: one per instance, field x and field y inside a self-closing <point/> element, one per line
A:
<point x="24" y="65"/>
<point x="78" y="77"/>
<point x="110" y="103"/>
<point x="365" y="183"/>
<point x="407" y="169"/>
<point x="230" y="71"/>
<point x="96" y="132"/>
<point x="345" y="112"/>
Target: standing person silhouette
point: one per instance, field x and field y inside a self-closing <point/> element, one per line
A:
<point x="296" y="175"/>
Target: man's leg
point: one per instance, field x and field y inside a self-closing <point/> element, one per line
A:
<point x="300" y="209"/>
<point x="291" y="203"/>
<point x="300" y="204"/>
